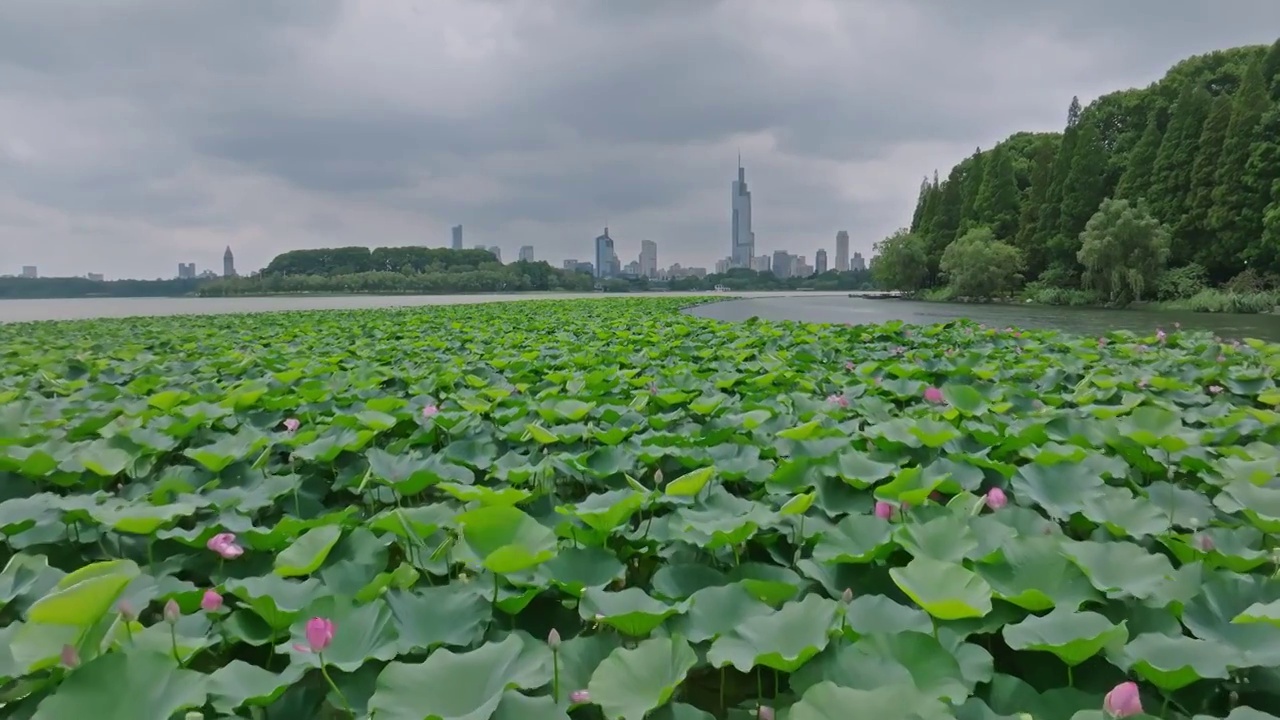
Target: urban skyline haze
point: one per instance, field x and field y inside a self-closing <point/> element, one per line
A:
<point x="143" y="133"/>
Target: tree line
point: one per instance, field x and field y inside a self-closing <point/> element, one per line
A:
<point x="15" y="288"/>
<point x="1163" y="191"/>
<point x="393" y="270"/>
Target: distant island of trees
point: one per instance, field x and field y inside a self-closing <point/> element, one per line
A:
<point x="1169" y="192"/>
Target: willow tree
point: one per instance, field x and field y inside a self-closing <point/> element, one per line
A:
<point x="1123" y="250"/>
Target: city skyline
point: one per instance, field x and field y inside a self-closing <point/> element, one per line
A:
<point x="550" y="126"/>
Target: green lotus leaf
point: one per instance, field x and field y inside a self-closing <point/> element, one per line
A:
<point x="1036" y="576"/>
<point x="716" y="611"/>
<point x="632" y="682"/>
<point x="1073" y="636"/>
<point x="855" y="539"/>
<point x="140" y="685"/>
<point x="604" y="512"/>
<point x="461" y="686"/>
<point x="450" y="615"/>
<point x="783" y="640"/>
<point x="1120" y="568"/>
<point x="945" y="590"/>
<point x="1171" y="663"/>
<point x="505" y="539"/>
<point x="238" y="683"/>
<point x="305" y="554"/>
<point x="630" y="611"/>
<point x="691" y="483"/>
<point x="827" y="701"/>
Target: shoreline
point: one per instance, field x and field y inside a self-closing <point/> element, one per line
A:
<point x="1145" y="306"/>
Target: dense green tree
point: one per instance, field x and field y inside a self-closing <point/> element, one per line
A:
<point x="900" y="262"/>
<point x="973" y="180"/>
<point x="999" y="200"/>
<point x="1033" y="252"/>
<point x="1261" y="208"/>
<point x="947" y="222"/>
<point x="1082" y="192"/>
<point x="977" y="265"/>
<point x="1049" y="222"/>
<point x="1123" y="250"/>
<point x="922" y="201"/>
<point x="1271" y="71"/>
<point x="1135" y="181"/>
<point x="1229" y="219"/>
<point x="1171" y="176"/>
<point x="1191" y="235"/>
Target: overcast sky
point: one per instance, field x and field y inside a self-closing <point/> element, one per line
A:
<point x="136" y="134"/>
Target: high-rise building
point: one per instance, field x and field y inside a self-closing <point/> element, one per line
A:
<point x="760" y="263"/>
<point x="496" y="251"/>
<point x="30" y="271"/>
<point x="606" y="258"/>
<point x="457" y="237"/>
<point x="187" y="271"/>
<point x="744" y="240"/>
<point x="648" y="258"/>
<point x="228" y="264"/>
<point x="526" y="253"/>
<point x="859" y="262"/>
<point x="632" y="268"/>
<point x="820" y="261"/>
<point x="723" y="265"/>
<point x="781" y="264"/>
<point x="842" y="251"/>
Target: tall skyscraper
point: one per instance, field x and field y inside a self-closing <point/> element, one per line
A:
<point x="228" y="263"/>
<point x="648" y="258"/>
<point x="526" y="253"/>
<point x="606" y="258"/>
<point x="744" y="240"/>
<point x="842" y="251"/>
<point x="457" y="237"/>
<point x="820" y="261"/>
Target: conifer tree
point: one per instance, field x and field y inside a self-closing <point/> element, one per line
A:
<point x="1135" y="181"/>
<point x="1028" y="222"/>
<point x="1262" y="196"/>
<point x="998" y="200"/>
<point x="973" y="179"/>
<point x="1233" y="229"/>
<point x="1082" y="193"/>
<point x="1191" y="239"/>
<point x="1171" y="177"/>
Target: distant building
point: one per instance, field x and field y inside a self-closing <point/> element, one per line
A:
<point x="95" y="277"/>
<point x="228" y="264"/>
<point x="571" y="264"/>
<point x="744" y="240"/>
<point x="632" y="269"/>
<point x="207" y="274"/>
<point x="859" y="262"/>
<point x="723" y="265"/>
<point x="30" y="271"/>
<point x="606" y="258"/>
<point x="761" y="263"/>
<point x="457" y="237"/>
<point x="526" y="253"/>
<point x="648" y="258"/>
<point x="496" y="251"/>
<point x="781" y="264"/>
<point x="842" y="251"/>
<point x="800" y="268"/>
<point x="481" y="246"/>
<point x="820" y="261"/>
<point x="186" y="271"/>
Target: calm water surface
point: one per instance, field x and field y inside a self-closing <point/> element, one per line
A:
<point x="834" y="307"/>
<point x="1086" y="321"/>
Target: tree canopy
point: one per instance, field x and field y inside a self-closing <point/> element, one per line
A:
<point x="1196" y="156"/>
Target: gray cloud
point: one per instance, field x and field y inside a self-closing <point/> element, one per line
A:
<point x="135" y="134"/>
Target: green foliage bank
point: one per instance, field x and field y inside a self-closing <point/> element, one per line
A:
<point x="607" y="509"/>
<point x="1195" y="158"/>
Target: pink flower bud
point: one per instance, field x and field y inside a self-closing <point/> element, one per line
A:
<point x="319" y="633"/>
<point x="933" y="395"/>
<point x="764" y="712"/>
<point x="553" y="639"/>
<point x="996" y="498"/>
<point x="884" y="510"/>
<point x="846" y="597"/>
<point x="430" y="411"/>
<point x="125" y="608"/>
<point x="578" y="697"/>
<point x="292" y="424"/>
<point x="70" y="656"/>
<point x="1123" y="701"/>
<point x="172" y="612"/>
<point x="211" y="602"/>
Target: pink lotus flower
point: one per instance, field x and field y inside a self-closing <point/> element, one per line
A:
<point x="1102" y="342"/>
<point x="849" y="366"/>
<point x="764" y="713"/>
<point x="225" y="545"/>
<point x="1205" y="543"/>
<point x="1160" y="336"/>
<point x="211" y="601"/>
<point x="840" y="400"/>
<point x="292" y="424"/>
<point x="319" y="633"/>
<point x="577" y="697"/>
<point x="1215" y="389"/>
<point x="429" y="411"/>
<point x="996" y="498"/>
<point x="125" y="608"/>
<point x="653" y="390"/>
<point x="1123" y="701"/>
<point x="1142" y="383"/>
<point x="884" y="510"/>
<point x="932" y="394"/>
<point x="70" y="656"/>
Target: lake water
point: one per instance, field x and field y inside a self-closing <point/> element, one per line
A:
<point x="832" y="307"/>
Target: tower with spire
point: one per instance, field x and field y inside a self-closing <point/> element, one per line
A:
<point x="228" y="263"/>
<point x="743" y="242"/>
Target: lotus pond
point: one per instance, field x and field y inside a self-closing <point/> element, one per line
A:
<point x="608" y="508"/>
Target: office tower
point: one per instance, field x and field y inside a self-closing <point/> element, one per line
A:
<point x="228" y="264"/>
<point x="744" y="240"/>
<point x="526" y="253"/>
<point x="457" y="237"/>
<point x="723" y="265"/>
<point x="842" y="251"/>
<point x="820" y="261"/>
<point x="859" y="262"/>
<point x="761" y="263"/>
<point x="606" y="258"/>
<point x="496" y="251"/>
<point x="30" y="271"/>
<point x="648" y="258"/>
<point x="781" y="264"/>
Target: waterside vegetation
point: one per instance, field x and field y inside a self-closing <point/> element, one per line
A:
<point x="610" y="509"/>
<point x="1169" y="193"/>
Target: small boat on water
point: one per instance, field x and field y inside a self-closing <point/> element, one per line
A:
<point x="720" y="288"/>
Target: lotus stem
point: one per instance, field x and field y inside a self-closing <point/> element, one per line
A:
<point x="173" y="639"/>
<point x="324" y="671"/>
<point x="555" y="675"/>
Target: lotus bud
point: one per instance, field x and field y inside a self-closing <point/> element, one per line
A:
<point x="172" y="612"/>
<point x="1205" y="543"/>
<point x="847" y="596"/>
<point x="1123" y="701"/>
<point x="211" y="601"/>
<point x="553" y="639"/>
<point x="125" y="608"/>
<point x="657" y="477"/>
<point x="577" y="697"/>
<point x="764" y="713"/>
<point x="996" y="498"/>
<point x="70" y="656"/>
<point x="884" y="510"/>
<point x="933" y="395"/>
